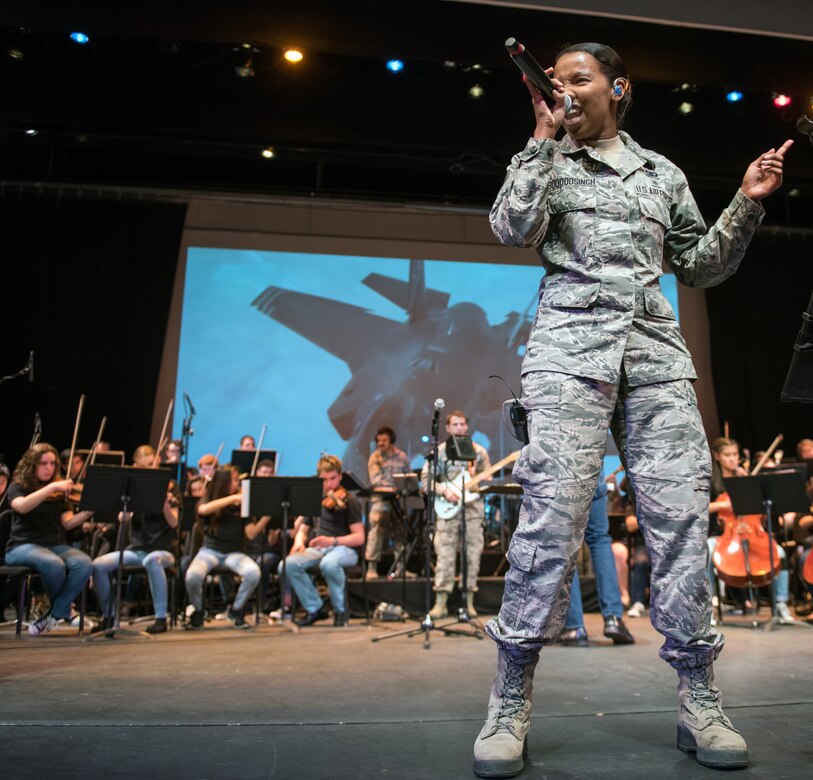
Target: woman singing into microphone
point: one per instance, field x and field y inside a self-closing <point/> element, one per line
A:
<point x="605" y="350"/>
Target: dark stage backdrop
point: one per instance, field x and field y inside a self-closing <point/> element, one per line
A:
<point x="754" y="318"/>
<point x="87" y="285"/>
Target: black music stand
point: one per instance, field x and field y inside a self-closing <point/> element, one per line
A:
<point x="352" y="483"/>
<point x="126" y="490"/>
<point x="767" y="493"/>
<point x="244" y="459"/>
<point x="279" y="497"/>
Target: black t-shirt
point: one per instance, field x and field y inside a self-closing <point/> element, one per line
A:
<point x="151" y="532"/>
<point x="337" y="522"/>
<point x="42" y="525"/>
<point x="224" y="530"/>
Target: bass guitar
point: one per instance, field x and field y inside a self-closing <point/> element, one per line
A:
<point x="463" y="486"/>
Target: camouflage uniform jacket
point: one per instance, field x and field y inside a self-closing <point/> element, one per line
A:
<point x="381" y="469"/>
<point x="603" y="233"/>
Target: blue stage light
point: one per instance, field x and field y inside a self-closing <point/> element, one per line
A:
<point x="80" y="37"/>
<point x="395" y="66"/>
<point x="425" y="439"/>
<point x="734" y="96"/>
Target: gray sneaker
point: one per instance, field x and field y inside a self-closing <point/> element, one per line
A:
<point x="702" y="728"/>
<point x="43" y="625"/>
<point x="501" y="746"/>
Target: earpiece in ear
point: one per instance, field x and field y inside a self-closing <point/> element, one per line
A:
<point x="618" y="90"/>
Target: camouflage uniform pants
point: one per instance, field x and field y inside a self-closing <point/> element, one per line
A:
<point x="447" y="542"/>
<point x="659" y="433"/>
<point x="383" y="522"/>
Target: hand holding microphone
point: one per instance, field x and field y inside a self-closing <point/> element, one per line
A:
<point x="535" y="74"/>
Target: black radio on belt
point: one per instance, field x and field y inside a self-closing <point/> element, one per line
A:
<point x="514" y="414"/>
<point x="519" y="420"/>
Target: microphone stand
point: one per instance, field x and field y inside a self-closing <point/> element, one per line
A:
<point x="428" y="624"/>
<point x="183" y="478"/>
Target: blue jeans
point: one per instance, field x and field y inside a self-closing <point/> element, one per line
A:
<point x="206" y="560"/>
<point x="154" y="562"/>
<point x="332" y="562"/>
<point x="599" y="542"/>
<point x="64" y="571"/>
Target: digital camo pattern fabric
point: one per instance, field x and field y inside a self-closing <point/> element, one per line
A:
<point x="667" y="460"/>
<point x="603" y="234"/>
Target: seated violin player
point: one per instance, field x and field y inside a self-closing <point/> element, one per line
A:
<point x="338" y="535"/>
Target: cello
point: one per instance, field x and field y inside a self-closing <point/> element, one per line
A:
<point x="743" y="553"/>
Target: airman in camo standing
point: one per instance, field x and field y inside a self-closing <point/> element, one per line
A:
<point x="604" y="214"/>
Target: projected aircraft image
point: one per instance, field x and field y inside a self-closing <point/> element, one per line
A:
<point x="400" y="368"/>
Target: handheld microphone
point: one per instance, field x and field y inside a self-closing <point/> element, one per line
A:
<point x="31" y="366"/>
<point x="534" y="72"/>
<point x="439" y="404"/>
<point x="189" y="402"/>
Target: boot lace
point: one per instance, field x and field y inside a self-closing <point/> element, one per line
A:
<point x="512" y="699"/>
<point x="707" y="698"/>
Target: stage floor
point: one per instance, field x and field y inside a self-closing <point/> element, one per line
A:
<point x="329" y="703"/>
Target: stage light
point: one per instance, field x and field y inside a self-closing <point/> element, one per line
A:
<point x="31" y="131"/>
<point x="686" y="108"/>
<point x="269" y="153"/>
<point x="395" y="66"/>
<point x="476" y="92"/>
<point x="80" y="38"/>
<point x="245" y="60"/>
<point x="425" y="439"/>
<point x="294" y="55"/>
<point x="781" y="101"/>
<point x="16" y="54"/>
<point x="734" y="96"/>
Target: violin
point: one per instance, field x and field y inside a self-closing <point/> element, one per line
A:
<point x="335" y="499"/>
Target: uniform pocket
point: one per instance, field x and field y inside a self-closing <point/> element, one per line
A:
<point x="521" y="555"/>
<point x="571" y="296"/>
<point x="656" y="305"/>
<point x="655" y="209"/>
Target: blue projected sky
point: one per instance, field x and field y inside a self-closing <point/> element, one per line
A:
<point x="243" y="369"/>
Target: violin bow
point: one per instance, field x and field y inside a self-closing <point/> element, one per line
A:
<point x="766" y="455"/>
<point x="259" y="447"/>
<point x="91" y="458"/>
<point x="163" y="440"/>
<point x="75" y="433"/>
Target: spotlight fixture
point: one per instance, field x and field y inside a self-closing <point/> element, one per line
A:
<point x="781" y="101"/>
<point x="269" y="153"/>
<point x="294" y="55"/>
<point x="686" y="108"/>
<point x="15" y="53"/>
<point x="734" y="96"/>
<point x="245" y="61"/>
<point x="476" y="92"/>
<point x="31" y="132"/>
<point x="395" y="66"/>
<point x="80" y="38"/>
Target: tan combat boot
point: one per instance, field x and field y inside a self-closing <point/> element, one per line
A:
<point x="440" y="610"/>
<point x="703" y="729"/>
<point x="501" y="746"/>
<point x="470" y="603"/>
